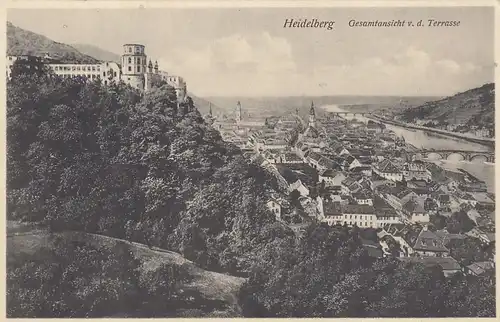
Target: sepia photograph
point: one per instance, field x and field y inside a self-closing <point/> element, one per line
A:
<point x="250" y="162"/>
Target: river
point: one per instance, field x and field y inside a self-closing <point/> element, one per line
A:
<point x="425" y="140"/>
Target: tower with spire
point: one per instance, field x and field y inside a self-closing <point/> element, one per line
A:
<point x="312" y="116"/>
<point x="238" y="112"/>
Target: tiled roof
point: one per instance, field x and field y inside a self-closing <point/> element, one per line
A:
<point x="358" y="209"/>
<point x="332" y="208"/>
<point x="386" y="166"/>
<point x="429" y="241"/>
<point x="479" y="268"/>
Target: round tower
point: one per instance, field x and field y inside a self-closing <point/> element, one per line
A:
<point x="134" y="65"/>
<point x="312" y="116"/>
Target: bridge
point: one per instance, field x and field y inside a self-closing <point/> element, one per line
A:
<point x="350" y="113"/>
<point x="485" y="156"/>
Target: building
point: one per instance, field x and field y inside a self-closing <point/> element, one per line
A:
<point x="312" y="116"/>
<point x="274" y="205"/>
<point x="416" y="171"/>
<point x="415" y="212"/>
<point x="132" y="70"/>
<point x="387" y="170"/>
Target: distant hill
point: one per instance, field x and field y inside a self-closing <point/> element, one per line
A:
<point x="473" y="107"/>
<point x="24" y="42"/>
<point x="97" y="52"/>
<point x="203" y="105"/>
<point x="266" y="106"/>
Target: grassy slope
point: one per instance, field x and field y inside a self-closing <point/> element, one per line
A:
<point x="26" y="240"/>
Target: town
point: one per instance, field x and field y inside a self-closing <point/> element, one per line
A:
<point x="354" y="173"/>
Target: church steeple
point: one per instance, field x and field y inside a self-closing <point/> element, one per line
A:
<point x="312" y="116"/>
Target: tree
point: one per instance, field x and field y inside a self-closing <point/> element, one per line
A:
<point x="459" y="222"/>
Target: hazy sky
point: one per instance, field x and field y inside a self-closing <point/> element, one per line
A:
<point x="247" y="52"/>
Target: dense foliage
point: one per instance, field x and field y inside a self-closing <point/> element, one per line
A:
<point x="327" y="273"/>
<point x="106" y="159"/>
<point x="82" y="156"/>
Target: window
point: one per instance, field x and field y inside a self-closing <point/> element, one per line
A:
<point x="93" y="68"/>
<point x="74" y="68"/>
<point x="138" y="69"/>
<point x="129" y="50"/>
<point x="56" y="68"/>
<point x="130" y="60"/>
<point x="78" y="68"/>
<point x="129" y="68"/>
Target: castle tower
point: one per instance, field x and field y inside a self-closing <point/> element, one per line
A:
<point x="238" y="112"/>
<point x="134" y="65"/>
<point x="312" y="116"/>
<point x="150" y="67"/>
<point x="156" y="67"/>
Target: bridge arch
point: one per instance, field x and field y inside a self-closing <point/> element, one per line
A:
<point x="434" y="156"/>
<point x="479" y="158"/>
<point x="456" y="156"/>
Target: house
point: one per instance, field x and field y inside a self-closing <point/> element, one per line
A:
<point x="331" y="177"/>
<point x="363" y="197"/>
<point x="428" y="244"/>
<point x="399" y="196"/>
<point x="350" y="162"/>
<point x="291" y="158"/>
<point x="386" y="215"/>
<point x="414" y="209"/>
<point x="386" y="169"/>
<point x="420" y="187"/>
<point x="363" y="169"/>
<point x="351" y="215"/>
<point x="416" y="170"/>
<point x="274" y="206"/>
<point x="448" y="265"/>
<point x="300" y="187"/>
<point x="479" y="268"/>
<point x="362" y="216"/>
<point x="332" y="213"/>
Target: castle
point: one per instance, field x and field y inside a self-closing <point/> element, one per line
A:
<point x="134" y="70"/>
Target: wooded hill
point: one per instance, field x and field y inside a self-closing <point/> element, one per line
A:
<point x="24" y="42"/>
<point x="473" y="107"/>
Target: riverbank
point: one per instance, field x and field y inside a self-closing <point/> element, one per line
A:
<point x="485" y="141"/>
<point x="430" y="140"/>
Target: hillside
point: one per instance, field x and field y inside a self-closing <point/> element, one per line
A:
<point x="473" y="107"/>
<point x="215" y="289"/>
<point x="97" y="52"/>
<point x="24" y="42"/>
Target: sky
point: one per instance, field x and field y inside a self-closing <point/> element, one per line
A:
<point x="247" y="52"/>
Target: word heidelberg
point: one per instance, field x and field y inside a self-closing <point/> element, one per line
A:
<point x="309" y="23"/>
